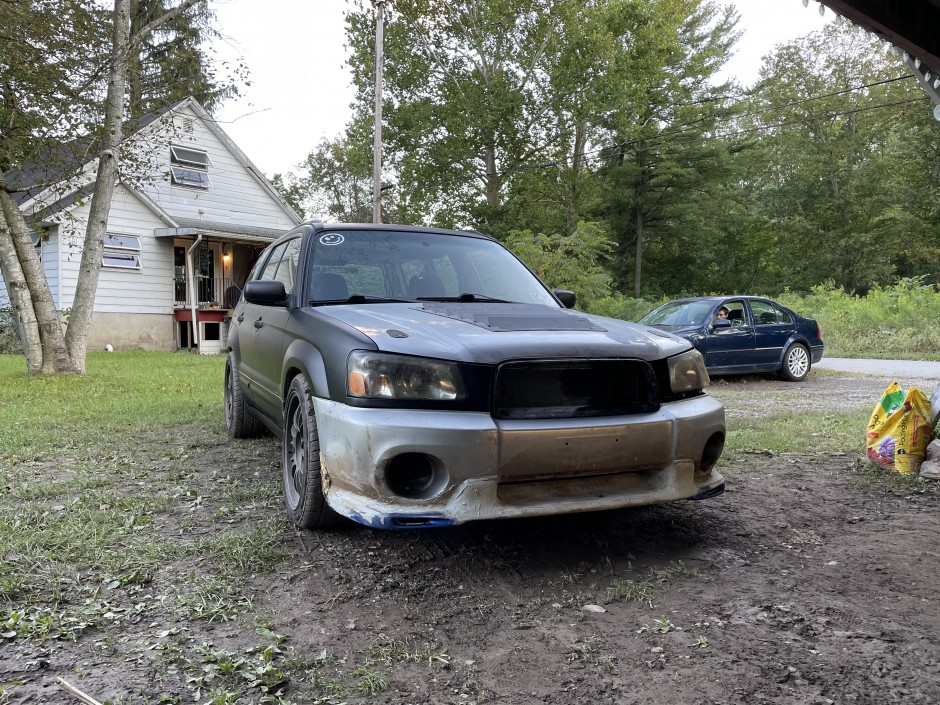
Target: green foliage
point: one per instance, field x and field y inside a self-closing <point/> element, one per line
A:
<point x="173" y="64"/>
<point x="624" y="307"/>
<point x="9" y="339"/>
<point x="574" y="261"/>
<point x="895" y="322"/>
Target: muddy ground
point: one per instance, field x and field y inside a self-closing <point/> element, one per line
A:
<point x="811" y="580"/>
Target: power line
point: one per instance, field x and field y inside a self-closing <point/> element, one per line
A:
<point x="658" y="140"/>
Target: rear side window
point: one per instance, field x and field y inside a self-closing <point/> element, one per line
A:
<point x="766" y="314"/>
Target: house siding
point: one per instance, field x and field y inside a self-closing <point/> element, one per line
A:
<point x="148" y="290"/>
<point x="50" y="267"/>
<point x="235" y="196"/>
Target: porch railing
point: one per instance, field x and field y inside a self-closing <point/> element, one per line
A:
<point x="217" y="291"/>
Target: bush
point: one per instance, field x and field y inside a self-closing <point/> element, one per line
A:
<point x="9" y="339"/>
<point x="898" y="322"/>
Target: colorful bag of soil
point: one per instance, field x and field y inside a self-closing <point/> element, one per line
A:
<point x="899" y="430"/>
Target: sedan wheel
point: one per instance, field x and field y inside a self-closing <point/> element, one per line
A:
<point x="796" y="363"/>
<point x="303" y="489"/>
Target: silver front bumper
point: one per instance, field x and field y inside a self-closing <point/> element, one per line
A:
<point x="502" y="469"/>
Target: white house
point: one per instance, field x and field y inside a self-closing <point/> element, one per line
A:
<point x="183" y="232"/>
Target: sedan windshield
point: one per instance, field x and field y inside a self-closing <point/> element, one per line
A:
<point x="388" y="265"/>
<point x="679" y="313"/>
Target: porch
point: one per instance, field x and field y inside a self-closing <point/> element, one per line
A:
<point x="211" y="265"/>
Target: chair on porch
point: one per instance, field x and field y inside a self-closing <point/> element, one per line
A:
<point x="231" y="296"/>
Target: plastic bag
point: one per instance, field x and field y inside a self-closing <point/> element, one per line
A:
<point x="931" y="467"/>
<point x="899" y="430"/>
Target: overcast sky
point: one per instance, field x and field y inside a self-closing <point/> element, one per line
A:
<point x="300" y="91"/>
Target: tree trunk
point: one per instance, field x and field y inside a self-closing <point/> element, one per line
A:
<point x="638" y="266"/>
<point x="76" y="338"/>
<point x="55" y="358"/>
<point x="492" y="177"/>
<point x="135" y="72"/>
<point x="18" y="293"/>
<point x="574" y="187"/>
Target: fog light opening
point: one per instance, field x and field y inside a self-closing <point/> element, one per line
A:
<point x="712" y="452"/>
<point x="414" y="475"/>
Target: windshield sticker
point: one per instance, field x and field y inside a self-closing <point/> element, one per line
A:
<point x="332" y="239"/>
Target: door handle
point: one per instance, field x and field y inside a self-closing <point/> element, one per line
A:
<point x="241" y="317"/>
<point x="259" y="323"/>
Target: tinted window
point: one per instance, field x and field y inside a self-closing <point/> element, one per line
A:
<point x="273" y="261"/>
<point x="765" y="314"/>
<point x="287" y="268"/>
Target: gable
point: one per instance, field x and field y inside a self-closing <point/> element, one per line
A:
<point x="187" y="168"/>
<point x="199" y="174"/>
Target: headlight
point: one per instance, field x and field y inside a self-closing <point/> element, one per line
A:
<point x="687" y="372"/>
<point x="373" y="375"/>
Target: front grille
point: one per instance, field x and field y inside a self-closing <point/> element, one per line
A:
<point x="554" y="389"/>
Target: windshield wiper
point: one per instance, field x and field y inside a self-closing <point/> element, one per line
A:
<point x="359" y="299"/>
<point x="464" y="298"/>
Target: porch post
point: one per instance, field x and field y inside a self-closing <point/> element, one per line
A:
<point x="191" y="286"/>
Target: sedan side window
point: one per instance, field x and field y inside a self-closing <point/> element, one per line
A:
<point x="736" y="313"/>
<point x="766" y="314"/>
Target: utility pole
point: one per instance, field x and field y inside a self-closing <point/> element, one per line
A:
<point x="377" y="146"/>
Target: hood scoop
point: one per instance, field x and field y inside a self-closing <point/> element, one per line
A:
<point x="505" y="318"/>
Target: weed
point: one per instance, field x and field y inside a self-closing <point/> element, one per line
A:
<point x="642" y="590"/>
<point x="369" y="682"/>
<point x="664" y="625"/>
<point x="211" y="598"/>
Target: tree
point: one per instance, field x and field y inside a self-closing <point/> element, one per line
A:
<point x="55" y="73"/>
<point x="170" y="62"/>
<point x="836" y="179"/>
<point x="479" y="93"/>
<point x="667" y="167"/>
<point x="576" y="261"/>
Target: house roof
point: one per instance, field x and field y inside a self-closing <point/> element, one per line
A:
<point x="910" y="25"/>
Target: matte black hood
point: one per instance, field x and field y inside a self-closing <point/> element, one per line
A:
<point x="490" y="333"/>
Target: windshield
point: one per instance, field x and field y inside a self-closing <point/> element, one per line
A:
<point x="405" y="266"/>
<point x="678" y="313"/>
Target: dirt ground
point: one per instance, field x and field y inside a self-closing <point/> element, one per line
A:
<point x="809" y="581"/>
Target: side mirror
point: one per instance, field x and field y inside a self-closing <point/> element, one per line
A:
<point x="721" y="323"/>
<point x="567" y="298"/>
<point x="266" y="292"/>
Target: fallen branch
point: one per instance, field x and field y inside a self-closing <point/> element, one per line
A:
<point x="87" y="699"/>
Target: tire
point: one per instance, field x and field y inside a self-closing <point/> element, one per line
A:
<point x="303" y="483"/>
<point x="796" y="363"/>
<point x="238" y="422"/>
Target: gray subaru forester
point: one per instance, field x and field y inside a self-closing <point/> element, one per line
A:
<point x="421" y="377"/>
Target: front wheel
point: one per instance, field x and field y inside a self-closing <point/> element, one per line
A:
<point x="303" y="486"/>
<point x="796" y="363"/>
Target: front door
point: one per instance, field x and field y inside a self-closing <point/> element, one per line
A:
<point x="262" y="336"/>
<point x="731" y="348"/>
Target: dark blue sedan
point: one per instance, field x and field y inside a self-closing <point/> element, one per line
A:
<point x="740" y="334"/>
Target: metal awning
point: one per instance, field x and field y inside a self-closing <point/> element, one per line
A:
<point x="229" y="232"/>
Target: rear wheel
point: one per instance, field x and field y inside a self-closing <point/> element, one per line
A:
<point x="303" y="485"/>
<point x="796" y="363"/>
<point x="238" y="422"/>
